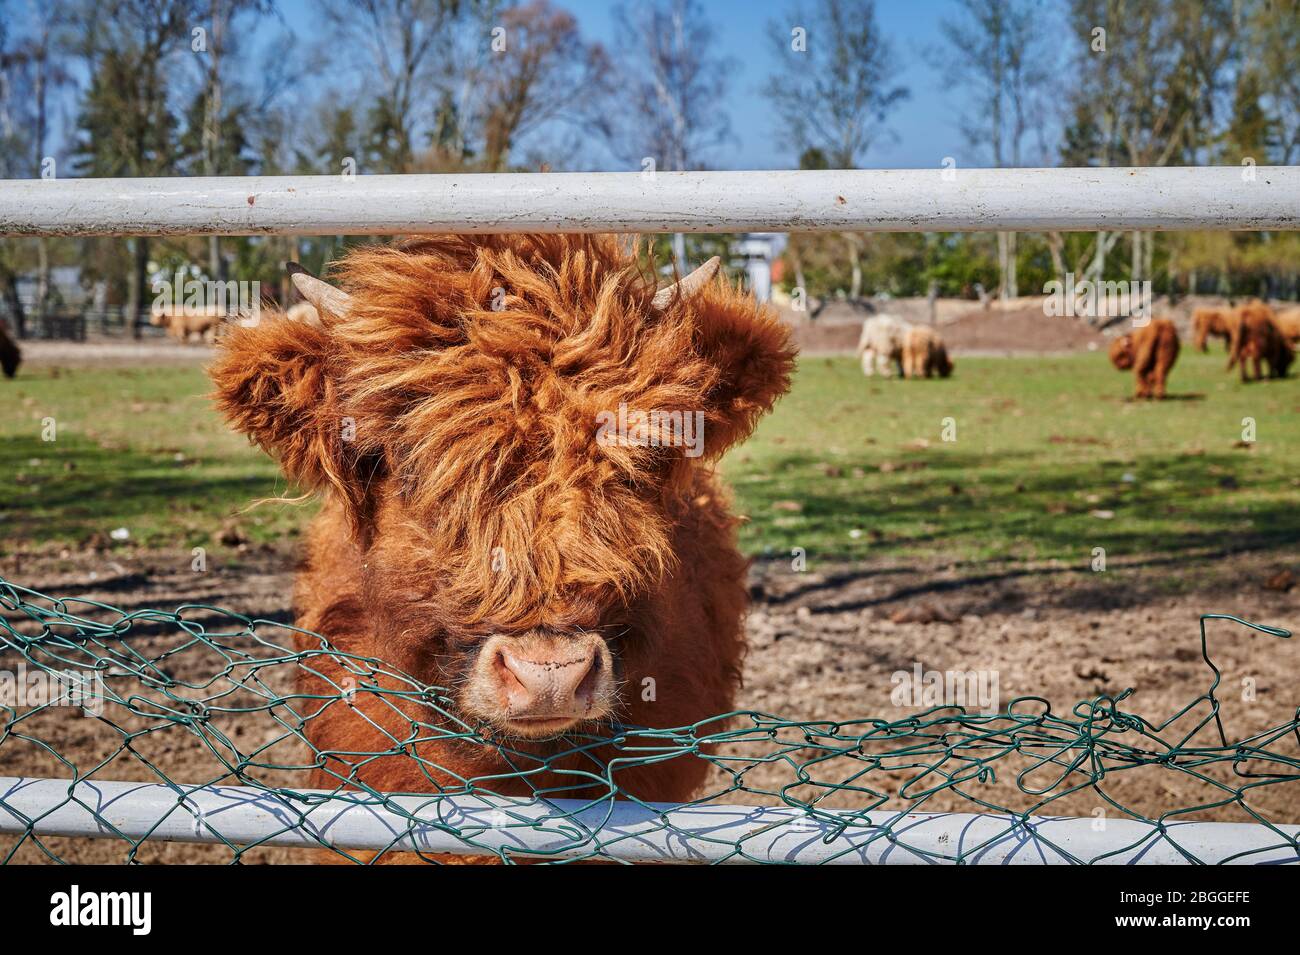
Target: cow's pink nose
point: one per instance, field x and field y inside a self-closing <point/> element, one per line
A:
<point x="550" y="680"/>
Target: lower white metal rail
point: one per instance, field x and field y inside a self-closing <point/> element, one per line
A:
<point x="629" y="831"/>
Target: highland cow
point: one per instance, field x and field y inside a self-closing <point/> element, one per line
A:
<point x="1288" y="323"/>
<point x="880" y="346"/>
<point x="924" y="354"/>
<point x="10" y="356"/>
<point x="303" y="312"/>
<point x="1216" y="322"/>
<point x="1151" y="352"/>
<point x="1258" y="340"/>
<point x="184" y="322"/>
<point x="475" y="535"/>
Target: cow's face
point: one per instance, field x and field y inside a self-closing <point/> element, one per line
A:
<point x="1121" y="352"/>
<point x="511" y="426"/>
<point x="943" y="362"/>
<point x="1285" y="358"/>
<point x="1205" y="321"/>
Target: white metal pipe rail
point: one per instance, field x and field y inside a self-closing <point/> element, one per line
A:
<point x="1222" y="198"/>
<point x="876" y="200"/>
<point x="563" y="829"/>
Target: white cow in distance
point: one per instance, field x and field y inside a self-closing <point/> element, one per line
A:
<point x="880" y="346"/>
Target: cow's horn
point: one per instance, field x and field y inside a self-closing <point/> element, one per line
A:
<point x="324" y="296"/>
<point x="689" y="285"/>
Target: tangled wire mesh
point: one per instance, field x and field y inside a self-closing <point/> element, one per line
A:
<point x="198" y="712"/>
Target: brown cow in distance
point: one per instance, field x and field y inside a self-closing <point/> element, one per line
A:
<point x="181" y="323"/>
<point x="477" y="531"/>
<point x="1151" y="352"/>
<point x="1216" y="322"/>
<point x="1288" y="323"/>
<point x="1258" y="340"/>
<point x="924" y="354"/>
<point x="10" y="356"/>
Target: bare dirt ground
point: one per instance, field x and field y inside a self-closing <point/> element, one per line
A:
<point x="825" y="645"/>
<point x="1018" y="329"/>
<point x="114" y="353"/>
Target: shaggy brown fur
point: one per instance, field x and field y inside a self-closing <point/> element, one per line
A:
<point x="924" y="354"/>
<point x="1258" y="339"/>
<point x="1216" y="322"/>
<point x="1288" y="323"/>
<point x="474" y="431"/>
<point x="180" y="325"/>
<point x="1151" y="352"/>
<point x="10" y="356"/>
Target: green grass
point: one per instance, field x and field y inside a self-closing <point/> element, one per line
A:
<point x="1041" y="444"/>
<point x="135" y="448"/>
<point x="839" y="469"/>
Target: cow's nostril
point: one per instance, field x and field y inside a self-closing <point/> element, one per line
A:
<point x="586" y="692"/>
<point x="513" y="679"/>
<point x="548" y="681"/>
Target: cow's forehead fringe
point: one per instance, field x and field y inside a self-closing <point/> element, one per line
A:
<point x="477" y="366"/>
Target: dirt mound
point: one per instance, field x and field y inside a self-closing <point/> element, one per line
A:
<point x="1022" y="330"/>
<point x="1019" y="330"/>
<point x="827" y="339"/>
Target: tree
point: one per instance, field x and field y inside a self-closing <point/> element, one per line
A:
<point x="1152" y="86"/>
<point x="218" y="122"/>
<point x="833" y="88"/>
<point x="671" y="89"/>
<point x="126" y="123"/>
<point x="543" y="72"/>
<point x="400" y="41"/>
<point x="994" y="48"/>
<point x="832" y="92"/>
<point x="32" y="69"/>
<point x="1272" y="34"/>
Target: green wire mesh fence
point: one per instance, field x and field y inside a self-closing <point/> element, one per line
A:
<point x="187" y="736"/>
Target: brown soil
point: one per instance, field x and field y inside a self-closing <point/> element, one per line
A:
<point x="1022" y="330"/>
<point x="824" y="646"/>
<point x="154" y="350"/>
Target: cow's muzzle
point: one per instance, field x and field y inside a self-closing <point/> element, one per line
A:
<point x="540" y="685"/>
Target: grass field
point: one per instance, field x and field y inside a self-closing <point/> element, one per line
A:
<point x="1049" y="460"/>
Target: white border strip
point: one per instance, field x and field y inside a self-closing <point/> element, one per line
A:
<point x="629" y="831"/>
<point x="877" y="200"/>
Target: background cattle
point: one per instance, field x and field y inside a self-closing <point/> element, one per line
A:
<point x="184" y="323"/>
<point x="880" y="346"/>
<point x="924" y="354"/>
<point x="1151" y="352"/>
<point x="1212" y="322"/>
<point x="1288" y="323"/>
<point x="10" y="356"/>
<point x="303" y="312"/>
<point x="1257" y="339"/>
<point x="474" y="534"/>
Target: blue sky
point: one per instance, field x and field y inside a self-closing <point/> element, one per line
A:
<point x="926" y="127"/>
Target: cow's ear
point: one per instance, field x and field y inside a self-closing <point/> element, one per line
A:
<point x="753" y="356"/>
<point x="274" y="384"/>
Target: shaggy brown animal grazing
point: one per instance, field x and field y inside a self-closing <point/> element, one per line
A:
<point x="475" y="532"/>
<point x="924" y="354"/>
<point x="10" y="356"/>
<point x="1288" y="323"/>
<point x="1151" y="352"/>
<point x="1258" y="339"/>
<point x="1218" y="322"/>
<point x="880" y="345"/>
<point x="181" y="324"/>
